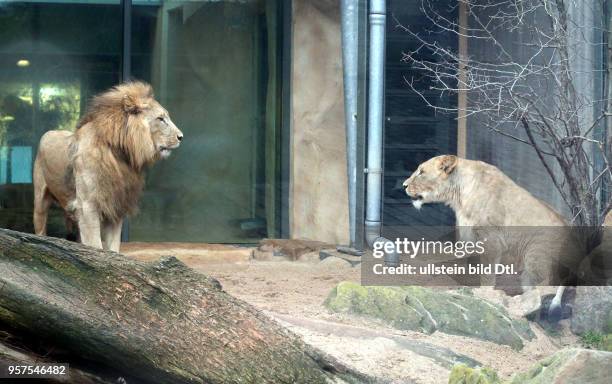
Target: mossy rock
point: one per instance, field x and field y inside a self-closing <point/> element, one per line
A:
<point x="592" y="310"/>
<point x="570" y="366"/>
<point x="427" y="310"/>
<point x="386" y="303"/>
<point x="462" y="374"/>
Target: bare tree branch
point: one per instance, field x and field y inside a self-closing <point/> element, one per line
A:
<point x="536" y="73"/>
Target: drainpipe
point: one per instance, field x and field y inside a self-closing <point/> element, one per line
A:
<point x="350" y="35"/>
<point x="376" y="106"/>
<point x="376" y="16"/>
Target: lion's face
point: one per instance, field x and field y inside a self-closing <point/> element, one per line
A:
<point x="430" y="182"/>
<point x="128" y="118"/>
<point x="164" y="134"/>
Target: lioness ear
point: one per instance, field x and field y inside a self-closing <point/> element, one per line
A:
<point x="133" y="105"/>
<point x="448" y="164"/>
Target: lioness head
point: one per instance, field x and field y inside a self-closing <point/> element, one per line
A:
<point x="430" y="182"/>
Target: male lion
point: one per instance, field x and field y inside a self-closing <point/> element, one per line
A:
<point x="96" y="174"/>
<point x="486" y="202"/>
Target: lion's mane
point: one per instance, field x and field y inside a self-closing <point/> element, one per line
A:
<point x="122" y="142"/>
<point x="117" y="117"/>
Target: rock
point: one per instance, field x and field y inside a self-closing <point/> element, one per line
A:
<point x="462" y="374"/>
<point x="291" y="248"/>
<point x="335" y="262"/>
<point x="310" y="257"/>
<point x="263" y="255"/>
<point x="570" y="366"/>
<point x="525" y="304"/>
<point x="592" y="310"/>
<point x="354" y="260"/>
<point x="386" y="303"/>
<point x="427" y="310"/>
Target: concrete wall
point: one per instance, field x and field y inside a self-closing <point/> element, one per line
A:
<point x="319" y="196"/>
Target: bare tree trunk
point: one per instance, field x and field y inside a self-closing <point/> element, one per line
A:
<point x="152" y="323"/>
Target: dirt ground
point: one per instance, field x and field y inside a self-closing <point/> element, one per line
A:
<point x="293" y="293"/>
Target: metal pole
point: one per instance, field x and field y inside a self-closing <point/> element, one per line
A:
<point x="362" y="117"/>
<point x="350" y="35"/>
<point x="376" y="113"/>
<point x="377" y="19"/>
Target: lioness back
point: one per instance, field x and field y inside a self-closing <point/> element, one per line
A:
<point x="508" y="203"/>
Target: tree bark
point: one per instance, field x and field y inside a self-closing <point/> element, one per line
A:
<point x="147" y="322"/>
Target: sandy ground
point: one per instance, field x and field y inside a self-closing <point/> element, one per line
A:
<point x="293" y="292"/>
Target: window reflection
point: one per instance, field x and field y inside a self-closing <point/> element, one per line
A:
<point x="53" y="57"/>
<point x="213" y="66"/>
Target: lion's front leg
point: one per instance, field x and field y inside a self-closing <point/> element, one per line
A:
<point x="89" y="225"/>
<point x="111" y="235"/>
<point x="87" y="212"/>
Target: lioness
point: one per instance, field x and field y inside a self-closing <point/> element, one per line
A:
<point x="96" y="174"/>
<point x="479" y="193"/>
<point x="486" y="201"/>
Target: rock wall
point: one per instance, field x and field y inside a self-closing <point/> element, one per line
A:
<point x="319" y="196"/>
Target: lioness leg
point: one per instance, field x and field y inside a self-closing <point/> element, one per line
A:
<point x="555" y="311"/>
<point x="111" y="235"/>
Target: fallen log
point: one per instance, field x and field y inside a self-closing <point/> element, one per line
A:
<point x="148" y="322"/>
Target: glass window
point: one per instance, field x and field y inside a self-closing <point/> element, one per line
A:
<point x="414" y="132"/>
<point x="214" y="66"/>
